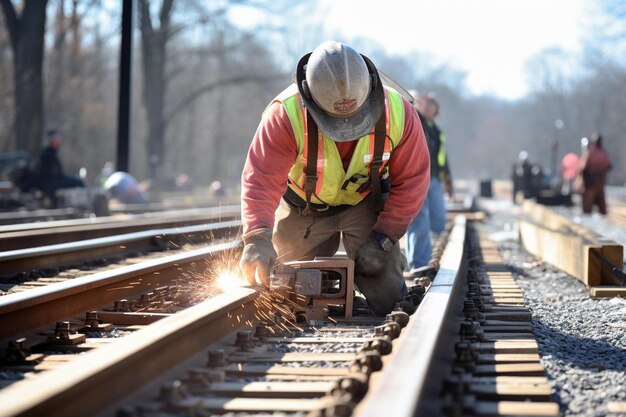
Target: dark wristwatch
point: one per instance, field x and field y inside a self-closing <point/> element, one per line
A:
<point x="383" y="241"/>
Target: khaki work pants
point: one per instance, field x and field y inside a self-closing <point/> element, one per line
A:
<point x="354" y="224"/>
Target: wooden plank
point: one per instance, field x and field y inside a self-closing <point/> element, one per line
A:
<point x="317" y="340"/>
<point x="516" y="408"/>
<point x="616" y="407"/>
<point x="568" y="246"/>
<point x="614" y="253"/>
<point x="511" y="380"/>
<point x="290" y="357"/>
<point x="522" y="392"/>
<point x="520" y="328"/>
<point x="271" y="389"/>
<point x="504" y="347"/>
<point x="245" y="369"/>
<point x="607" y="291"/>
<point x="492" y="337"/>
<point x="533" y="369"/>
<point x="517" y="316"/>
<point x="259" y="405"/>
<point x="507" y="357"/>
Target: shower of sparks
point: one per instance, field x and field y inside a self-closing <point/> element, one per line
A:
<point x="228" y="280"/>
<point x="220" y="274"/>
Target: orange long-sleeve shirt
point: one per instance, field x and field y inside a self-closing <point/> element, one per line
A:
<point x="274" y="151"/>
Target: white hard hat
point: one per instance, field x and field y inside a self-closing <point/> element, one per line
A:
<point x="341" y="89"/>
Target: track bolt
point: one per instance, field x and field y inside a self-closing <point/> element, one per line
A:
<point x="216" y="358"/>
<point x="380" y="344"/>
<point x="261" y="332"/>
<point x="243" y="340"/>
<point x="91" y="319"/>
<point x="172" y="392"/>
<point x="121" y="305"/>
<point x="339" y="409"/>
<point x="197" y="377"/>
<point x="62" y="330"/>
<point x="368" y="362"/>
<point x="392" y="328"/>
<point x="400" y="317"/>
<point x="352" y="387"/>
<point x="470" y="310"/>
<point x="468" y="331"/>
<point x="474" y="288"/>
<point x="16" y="352"/>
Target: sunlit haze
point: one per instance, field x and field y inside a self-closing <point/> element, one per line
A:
<point x="489" y="39"/>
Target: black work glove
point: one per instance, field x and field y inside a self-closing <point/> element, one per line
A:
<point x="370" y="259"/>
<point x="371" y="265"/>
<point x="258" y="255"/>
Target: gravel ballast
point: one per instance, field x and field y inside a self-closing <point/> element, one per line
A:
<point x="582" y="341"/>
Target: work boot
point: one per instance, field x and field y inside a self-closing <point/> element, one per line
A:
<point x="360" y="307"/>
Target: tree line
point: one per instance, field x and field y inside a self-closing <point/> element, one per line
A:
<point x="200" y="85"/>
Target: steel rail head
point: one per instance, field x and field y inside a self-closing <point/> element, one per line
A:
<point x="83" y="386"/>
<point x="406" y="377"/>
<point x="30" y="309"/>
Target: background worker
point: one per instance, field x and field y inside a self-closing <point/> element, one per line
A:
<point x="595" y="164"/>
<point x="49" y="170"/>
<point x="432" y="216"/>
<point x="307" y="182"/>
<point x="521" y="176"/>
<point x="569" y="171"/>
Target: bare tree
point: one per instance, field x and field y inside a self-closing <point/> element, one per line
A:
<point x="26" y="32"/>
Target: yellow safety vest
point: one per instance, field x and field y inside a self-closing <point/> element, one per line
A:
<point x="335" y="186"/>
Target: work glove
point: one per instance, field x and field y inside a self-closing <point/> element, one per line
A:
<point x="258" y="256"/>
<point x="372" y="264"/>
<point x="370" y="259"/>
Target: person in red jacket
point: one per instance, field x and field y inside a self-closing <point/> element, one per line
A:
<point x="594" y="167"/>
<point x="337" y="157"/>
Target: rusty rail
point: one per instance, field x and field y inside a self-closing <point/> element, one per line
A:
<point x="100" y="378"/>
<point x="52" y="256"/>
<point x="408" y="380"/>
<point x="30" y="309"/>
<point x="17" y="238"/>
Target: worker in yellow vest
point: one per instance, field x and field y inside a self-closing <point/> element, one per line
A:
<point x="337" y="158"/>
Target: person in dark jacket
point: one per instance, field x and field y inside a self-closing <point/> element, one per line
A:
<point x="432" y="216"/>
<point x="49" y="171"/>
<point x="594" y="167"/>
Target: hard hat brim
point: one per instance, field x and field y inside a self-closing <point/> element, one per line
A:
<point x="345" y="129"/>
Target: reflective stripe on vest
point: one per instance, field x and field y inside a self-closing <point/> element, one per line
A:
<point x="335" y="186"/>
<point x="441" y="155"/>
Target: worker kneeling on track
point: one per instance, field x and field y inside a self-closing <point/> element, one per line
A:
<point x="352" y="157"/>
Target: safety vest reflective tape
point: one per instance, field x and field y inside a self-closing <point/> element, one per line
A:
<point x="336" y="186"/>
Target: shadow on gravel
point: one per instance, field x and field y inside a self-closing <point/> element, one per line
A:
<point x="579" y="352"/>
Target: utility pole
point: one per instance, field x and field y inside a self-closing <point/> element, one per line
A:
<point x="123" y="110"/>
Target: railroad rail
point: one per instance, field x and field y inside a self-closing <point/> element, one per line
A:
<point x="28" y="216"/>
<point x="23" y="236"/>
<point x="204" y="360"/>
<point x="15" y="262"/>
